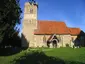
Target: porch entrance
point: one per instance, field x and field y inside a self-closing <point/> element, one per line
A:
<point x="53" y="41"/>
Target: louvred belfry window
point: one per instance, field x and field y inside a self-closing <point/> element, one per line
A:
<point x="31" y="10"/>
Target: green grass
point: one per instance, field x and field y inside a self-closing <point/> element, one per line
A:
<point x="66" y="54"/>
<point x="8" y="59"/>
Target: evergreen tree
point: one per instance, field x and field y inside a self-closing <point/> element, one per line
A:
<point x="9" y="15"/>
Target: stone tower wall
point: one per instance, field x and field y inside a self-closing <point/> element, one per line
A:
<point x="29" y="24"/>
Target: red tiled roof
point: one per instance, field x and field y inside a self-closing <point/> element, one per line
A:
<point x="55" y="27"/>
<point x="51" y="27"/>
<point x="74" y="31"/>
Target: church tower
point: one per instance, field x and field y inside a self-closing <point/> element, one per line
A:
<point x="29" y="23"/>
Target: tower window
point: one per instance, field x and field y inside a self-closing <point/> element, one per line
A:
<point x="31" y="10"/>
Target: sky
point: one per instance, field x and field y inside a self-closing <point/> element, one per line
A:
<point x="72" y="12"/>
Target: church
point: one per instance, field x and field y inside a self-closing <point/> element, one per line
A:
<point x="45" y="33"/>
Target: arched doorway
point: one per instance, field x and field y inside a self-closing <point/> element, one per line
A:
<point x="54" y="43"/>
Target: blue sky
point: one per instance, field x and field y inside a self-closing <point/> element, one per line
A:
<point x="72" y="12"/>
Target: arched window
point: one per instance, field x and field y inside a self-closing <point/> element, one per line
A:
<point x="59" y="38"/>
<point x="44" y="39"/>
<point x="72" y="39"/>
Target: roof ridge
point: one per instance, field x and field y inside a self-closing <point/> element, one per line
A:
<point x="50" y="21"/>
<point x="74" y="27"/>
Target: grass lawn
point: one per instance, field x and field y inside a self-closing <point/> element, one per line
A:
<point x="46" y="56"/>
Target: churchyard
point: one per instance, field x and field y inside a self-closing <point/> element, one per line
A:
<point x="45" y="56"/>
